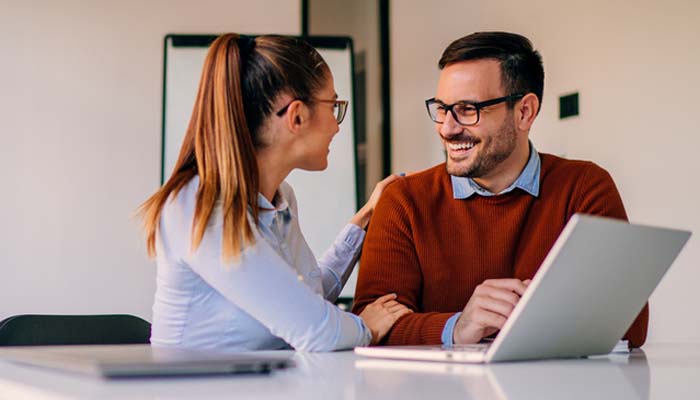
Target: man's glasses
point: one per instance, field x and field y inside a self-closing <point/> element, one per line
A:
<point x="466" y="113"/>
<point x="339" y="107"/>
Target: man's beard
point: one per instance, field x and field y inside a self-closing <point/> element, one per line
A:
<point x="491" y="153"/>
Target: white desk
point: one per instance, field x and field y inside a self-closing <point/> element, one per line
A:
<point x="659" y="372"/>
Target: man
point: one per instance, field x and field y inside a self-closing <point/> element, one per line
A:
<point x="459" y="242"/>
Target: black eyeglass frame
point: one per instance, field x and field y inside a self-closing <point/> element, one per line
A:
<point x="342" y="104"/>
<point x="477" y="106"/>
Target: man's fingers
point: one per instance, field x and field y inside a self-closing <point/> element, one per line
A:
<point x="501" y="307"/>
<point x="516" y="285"/>
<point x="500" y="294"/>
<point x="488" y="319"/>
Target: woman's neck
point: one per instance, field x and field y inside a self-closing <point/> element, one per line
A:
<point x="272" y="170"/>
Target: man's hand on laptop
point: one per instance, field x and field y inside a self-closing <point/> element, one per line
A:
<point x="487" y="310"/>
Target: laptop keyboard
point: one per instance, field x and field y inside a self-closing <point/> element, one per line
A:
<point x="468" y="347"/>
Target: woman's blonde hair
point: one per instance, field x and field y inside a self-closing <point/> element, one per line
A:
<point x="241" y="78"/>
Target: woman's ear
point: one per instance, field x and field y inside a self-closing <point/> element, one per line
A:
<point x="297" y="115"/>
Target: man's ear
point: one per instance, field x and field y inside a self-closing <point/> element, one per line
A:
<point x="297" y="115"/>
<point x="527" y="108"/>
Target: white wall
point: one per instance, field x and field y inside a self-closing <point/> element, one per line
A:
<point x="636" y="67"/>
<point x="80" y="125"/>
<point x="358" y="19"/>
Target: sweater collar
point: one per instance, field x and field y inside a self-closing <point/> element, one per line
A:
<point x="529" y="181"/>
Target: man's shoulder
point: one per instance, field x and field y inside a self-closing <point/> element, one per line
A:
<point x="428" y="176"/>
<point x="563" y="168"/>
<point x="418" y="184"/>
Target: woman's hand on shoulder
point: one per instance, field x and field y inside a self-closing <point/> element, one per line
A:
<point x="362" y="217"/>
<point x="380" y="316"/>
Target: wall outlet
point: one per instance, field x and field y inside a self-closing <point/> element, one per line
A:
<point x="568" y="105"/>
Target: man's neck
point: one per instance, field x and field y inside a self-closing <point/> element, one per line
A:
<point x="507" y="172"/>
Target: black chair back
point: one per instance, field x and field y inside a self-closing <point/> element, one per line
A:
<point x="39" y="330"/>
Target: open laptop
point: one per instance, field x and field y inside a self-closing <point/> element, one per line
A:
<point x="585" y="295"/>
<point x="122" y="361"/>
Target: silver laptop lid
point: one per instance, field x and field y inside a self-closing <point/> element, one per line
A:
<point x="588" y="291"/>
<point x="118" y="361"/>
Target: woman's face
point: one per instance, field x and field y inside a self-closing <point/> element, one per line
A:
<point x="321" y="129"/>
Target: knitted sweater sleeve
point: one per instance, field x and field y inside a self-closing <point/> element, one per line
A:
<point x="598" y="195"/>
<point x="389" y="264"/>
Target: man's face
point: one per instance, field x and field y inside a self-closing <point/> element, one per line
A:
<point x="475" y="151"/>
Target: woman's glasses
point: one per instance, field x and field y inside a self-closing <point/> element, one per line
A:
<point x="340" y="107"/>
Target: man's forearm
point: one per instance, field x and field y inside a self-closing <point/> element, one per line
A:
<point x="637" y="333"/>
<point x="418" y="329"/>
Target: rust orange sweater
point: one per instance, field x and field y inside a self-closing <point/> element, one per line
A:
<point x="433" y="250"/>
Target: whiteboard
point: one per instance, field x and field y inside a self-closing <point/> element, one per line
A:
<point x="327" y="199"/>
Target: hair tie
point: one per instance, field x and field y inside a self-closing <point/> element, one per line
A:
<point x="246" y="44"/>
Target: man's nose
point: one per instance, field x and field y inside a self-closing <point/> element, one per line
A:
<point x="450" y="127"/>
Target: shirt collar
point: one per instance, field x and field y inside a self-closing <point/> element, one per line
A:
<point x="529" y="180"/>
<point x="268" y="211"/>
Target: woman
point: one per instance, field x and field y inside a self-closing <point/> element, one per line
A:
<point x="234" y="270"/>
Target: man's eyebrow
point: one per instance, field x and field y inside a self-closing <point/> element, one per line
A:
<point x="465" y="101"/>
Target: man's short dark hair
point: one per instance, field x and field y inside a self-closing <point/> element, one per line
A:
<point x="521" y="65"/>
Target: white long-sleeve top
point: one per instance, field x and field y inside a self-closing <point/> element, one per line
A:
<point x="274" y="296"/>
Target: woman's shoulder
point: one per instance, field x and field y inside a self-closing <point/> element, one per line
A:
<point x="176" y="221"/>
<point x="185" y="199"/>
<point x="178" y="211"/>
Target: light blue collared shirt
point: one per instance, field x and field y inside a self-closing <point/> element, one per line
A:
<point x="275" y="295"/>
<point x="463" y="188"/>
